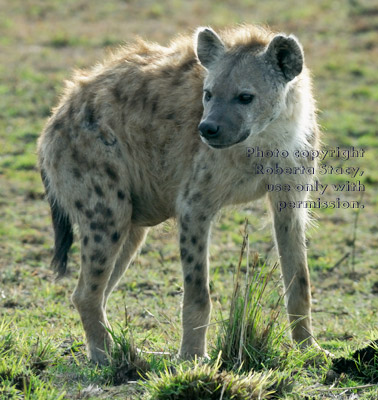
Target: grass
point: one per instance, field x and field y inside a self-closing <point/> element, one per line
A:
<point x="251" y="356"/>
<point x="250" y="339"/>
<point x="125" y="361"/>
<point x="41" y="338"/>
<point x="20" y="370"/>
<point x="206" y="381"/>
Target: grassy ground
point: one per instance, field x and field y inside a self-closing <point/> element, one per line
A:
<point x="40" y="336"/>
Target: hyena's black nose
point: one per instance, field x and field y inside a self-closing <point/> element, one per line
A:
<point x="209" y="130"/>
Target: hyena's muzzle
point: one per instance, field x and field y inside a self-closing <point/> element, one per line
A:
<point x="220" y="129"/>
<point x="215" y="135"/>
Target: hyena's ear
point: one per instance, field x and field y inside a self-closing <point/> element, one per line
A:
<point x="209" y="46"/>
<point x="286" y="53"/>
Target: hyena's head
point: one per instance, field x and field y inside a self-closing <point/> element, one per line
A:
<point x="245" y="87"/>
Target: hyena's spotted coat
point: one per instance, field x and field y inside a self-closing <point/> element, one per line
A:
<point x="122" y="152"/>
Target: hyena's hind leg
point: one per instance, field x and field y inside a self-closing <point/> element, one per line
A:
<point x="134" y="240"/>
<point x="101" y="241"/>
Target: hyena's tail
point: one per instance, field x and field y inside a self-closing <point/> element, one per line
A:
<point x="63" y="233"/>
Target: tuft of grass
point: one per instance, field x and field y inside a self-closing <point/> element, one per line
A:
<point x="205" y="381"/>
<point x="252" y="338"/>
<point x="42" y="356"/>
<point x="126" y="363"/>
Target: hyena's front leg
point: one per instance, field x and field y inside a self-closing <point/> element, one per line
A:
<point x="194" y="235"/>
<point x="289" y="227"/>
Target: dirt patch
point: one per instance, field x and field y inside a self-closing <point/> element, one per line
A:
<point x="362" y="364"/>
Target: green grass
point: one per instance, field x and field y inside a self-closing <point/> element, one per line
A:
<point x="21" y="365"/>
<point x="250" y="338"/>
<point x="41" y="338"/>
<point x="196" y="380"/>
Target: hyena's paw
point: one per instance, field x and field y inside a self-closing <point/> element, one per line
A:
<point x="190" y="356"/>
<point x="99" y="351"/>
<point x="197" y="359"/>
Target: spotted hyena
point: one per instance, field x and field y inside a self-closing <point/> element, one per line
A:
<point x="165" y="132"/>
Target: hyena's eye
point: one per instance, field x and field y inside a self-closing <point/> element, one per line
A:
<point x="207" y="95"/>
<point x="245" y="98"/>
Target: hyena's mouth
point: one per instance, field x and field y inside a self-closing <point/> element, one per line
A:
<point x="219" y="146"/>
<point x="225" y="146"/>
